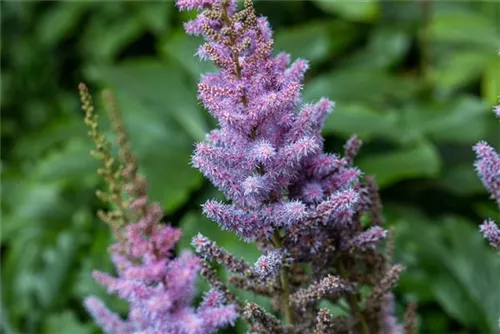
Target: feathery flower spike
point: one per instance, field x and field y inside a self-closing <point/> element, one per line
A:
<point x="158" y="288"/>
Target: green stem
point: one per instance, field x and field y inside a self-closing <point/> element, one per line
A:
<point x="352" y="300"/>
<point x="285" y="285"/>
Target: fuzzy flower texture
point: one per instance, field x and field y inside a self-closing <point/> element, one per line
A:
<point x="266" y="157"/>
<point x="158" y="288"/>
<point x="300" y="205"/>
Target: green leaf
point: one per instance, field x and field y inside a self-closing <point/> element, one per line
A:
<point x="490" y="83"/>
<point x="163" y="150"/>
<point x="56" y="264"/>
<point x="183" y="50"/>
<point x="58" y="22"/>
<point x="475" y="269"/>
<point x="66" y="322"/>
<point x="379" y="89"/>
<point x="359" y="119"/>
<point x="34" y="145"/>
<point x="106" y="35"/>
<point x="72" y="165"/>
<point x="463" y="120"/>
<point x="386" y="47"/>
<point x="364" y="11"/>
<point x="462" y="180"/>
<point x="462" y="271"/>
<point x="455" y="70"/>
<point x="314" y="41"/>
<point x="30" y="203"/>
<point x="463" y="26"/>
<point x="5" y="322"/>
<point x="309" y="42"/>
<point x="163" y="120"/>
<point x="488" y="209"/>
<point x="155" y="15"/>
<point x="161" y="87"/>
<point x="420" y="161"/>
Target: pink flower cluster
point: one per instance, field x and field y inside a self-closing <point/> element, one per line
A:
<point x="158" y="288"/>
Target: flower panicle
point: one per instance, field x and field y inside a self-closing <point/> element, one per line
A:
<point x="158" y="288"/>
<point x="110" y="171"/>
<point x="302" y="206"/>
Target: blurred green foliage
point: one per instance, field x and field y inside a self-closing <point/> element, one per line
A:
<point x="415" y="79"/>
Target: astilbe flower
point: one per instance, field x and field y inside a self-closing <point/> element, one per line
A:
<point x="158" y="287"/>
<point x="301" y="205"/>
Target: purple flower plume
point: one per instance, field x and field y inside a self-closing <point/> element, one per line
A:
<point x="267" y="154"/>
<point x="158" y="288"/>
<point x="283" y="191"/>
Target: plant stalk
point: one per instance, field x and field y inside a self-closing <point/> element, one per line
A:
<point x="352" y="300"/>
<point x="285" y="285"/>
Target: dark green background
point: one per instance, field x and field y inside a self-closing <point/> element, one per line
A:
<point x="415" y="79"/>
